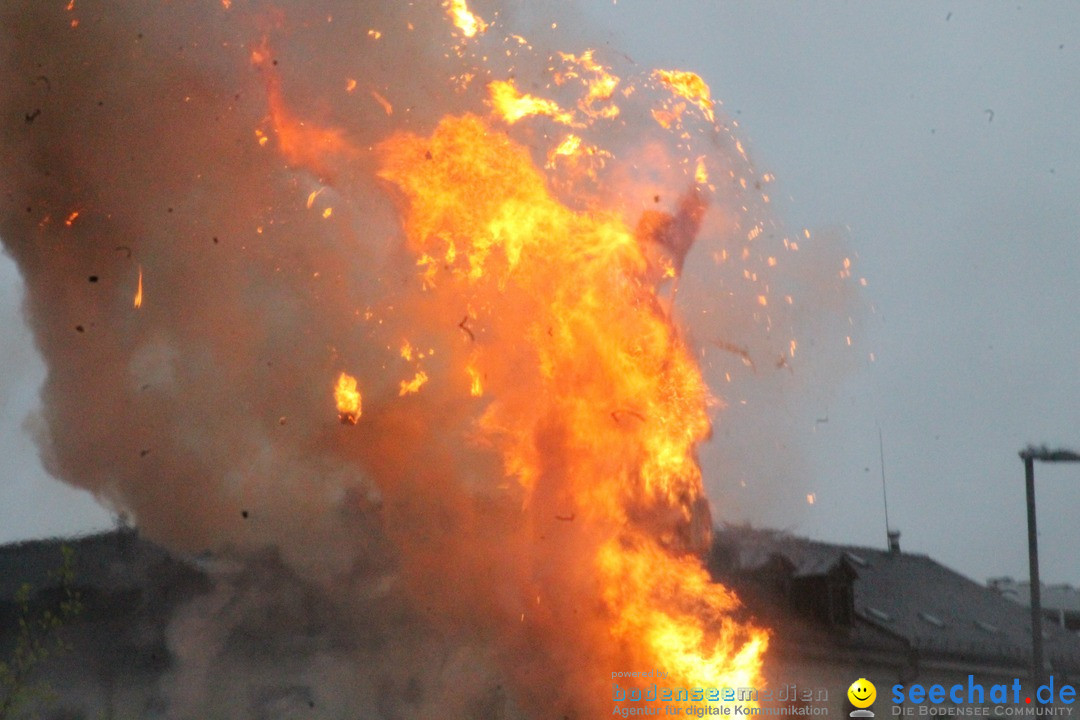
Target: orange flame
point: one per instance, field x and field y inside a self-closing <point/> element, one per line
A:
<point x="590" y="397"/>
<point x="301" y="143"/>
<point x="610" y="371"/>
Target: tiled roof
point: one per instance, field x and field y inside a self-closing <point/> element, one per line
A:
<point x="934" y="609"/>
<point x="1054" y="597"/>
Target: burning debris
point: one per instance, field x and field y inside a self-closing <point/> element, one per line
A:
<point x="594" y="267"/>
<point x="347" y="398"/>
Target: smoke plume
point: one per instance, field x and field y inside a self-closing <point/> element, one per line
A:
<point x="219" y="207"/>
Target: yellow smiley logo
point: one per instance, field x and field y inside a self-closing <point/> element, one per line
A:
<point x="862" y="693"/>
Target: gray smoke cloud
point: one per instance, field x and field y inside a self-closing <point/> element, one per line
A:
<point x="129" y="159"/>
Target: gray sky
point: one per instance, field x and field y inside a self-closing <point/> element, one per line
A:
<point x="941" y="137"/>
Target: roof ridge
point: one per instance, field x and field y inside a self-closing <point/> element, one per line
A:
<point x="784" y="535"/>
<point x="17" y="545"/>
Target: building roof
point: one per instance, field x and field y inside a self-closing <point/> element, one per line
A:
<point x="1054" y="597"/>
<point x="935" y="610"/>
<point x="104" y="561"/>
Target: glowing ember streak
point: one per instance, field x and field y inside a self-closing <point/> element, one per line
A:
<point x="413" y="386"/>
<point x="466" y="21"/>
<point x="138" y="290"/>
<point x="71" y="218"/>
<point x="386" y="106"/>
<point x="512" y="105"/>
<point x="350" y="85"/>
<point x="347" y="398"/>
<point x="701" y="174"/>
<point x="690" y="86"/>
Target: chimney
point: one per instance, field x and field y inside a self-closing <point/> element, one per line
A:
<point x="894" y="541"/>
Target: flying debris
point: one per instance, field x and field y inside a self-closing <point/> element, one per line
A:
<point x="742" y="352"/>
<point x="348" y="399"/>
<point x="466" y="329"/>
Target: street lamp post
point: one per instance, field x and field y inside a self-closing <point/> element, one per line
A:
<point x="1029" y="455"/>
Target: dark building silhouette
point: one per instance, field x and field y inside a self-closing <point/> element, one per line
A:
<point x="836" y="613"/>
<point x="839" y="613"/>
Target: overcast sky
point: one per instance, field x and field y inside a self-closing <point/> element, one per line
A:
<point x="942" y="137"/>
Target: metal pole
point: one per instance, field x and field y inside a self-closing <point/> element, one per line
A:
<point x="1033" y="565"/>
<point x="1030" y="455"/>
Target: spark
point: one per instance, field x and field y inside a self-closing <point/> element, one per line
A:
<point x="139" y="291"/>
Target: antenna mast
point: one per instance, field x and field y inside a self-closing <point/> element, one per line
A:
<point x="884" y="491"/>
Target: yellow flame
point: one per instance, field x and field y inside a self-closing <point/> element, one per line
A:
<point x="476" y="387"/>
<point x="413" y="386"/>
<point x="701" y="174"/>
<point x="348" y="399"/>
<point x="690" y="86"/>
<point x="600" y="87"/>
<point x="570" y="145"/>
<point x="464" y="20"/>
<point x="512" y="105"/>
